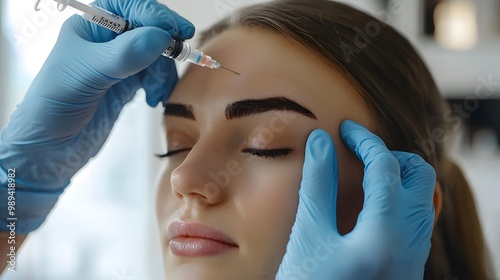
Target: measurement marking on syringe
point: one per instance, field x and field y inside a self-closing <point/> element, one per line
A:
<point x="106" y="23"/>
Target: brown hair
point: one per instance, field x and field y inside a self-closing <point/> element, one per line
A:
<point x="403" y="98"/>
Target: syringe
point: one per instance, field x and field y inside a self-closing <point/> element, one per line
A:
<point x="178" y="50"/>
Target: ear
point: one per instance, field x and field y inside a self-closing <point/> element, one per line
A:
<point x="437" y="200"/>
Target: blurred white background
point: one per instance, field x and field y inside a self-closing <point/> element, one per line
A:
<point x="103" y="226"/>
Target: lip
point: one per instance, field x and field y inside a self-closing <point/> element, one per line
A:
<point x="197" y="240"/>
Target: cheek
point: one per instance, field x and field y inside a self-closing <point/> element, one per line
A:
<point x="166" y="204"/>
<point x="267" y="199"/>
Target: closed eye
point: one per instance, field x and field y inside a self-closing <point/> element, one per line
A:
<point x="171" y="153"/>
<point x="273" y="153"/>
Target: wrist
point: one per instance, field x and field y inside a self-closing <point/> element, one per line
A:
<point x="25" y="206"/>
<point x="37" y="167"/>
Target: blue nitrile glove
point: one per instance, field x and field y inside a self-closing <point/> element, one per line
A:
<point x="72" y="104"/>
<point x="391" y="239"/>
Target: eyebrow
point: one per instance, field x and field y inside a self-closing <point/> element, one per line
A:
<point x="243" y="108"/>
<point x="248" y="107"/>
<point x="179" y="110"/>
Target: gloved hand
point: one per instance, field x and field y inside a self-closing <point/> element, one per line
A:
<point x="72" y="104"/>
<point x="391" y="239"/>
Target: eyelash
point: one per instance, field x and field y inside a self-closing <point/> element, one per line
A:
<point x="275" y="153"/>
<point x="171" y="153"/>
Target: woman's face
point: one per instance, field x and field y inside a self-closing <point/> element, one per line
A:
<point x="227" y="199"/>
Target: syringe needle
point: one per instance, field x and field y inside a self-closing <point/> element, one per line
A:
<point x="230" y="70"/>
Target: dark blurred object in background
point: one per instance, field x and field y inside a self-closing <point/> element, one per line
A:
<point x="484" y="117"/>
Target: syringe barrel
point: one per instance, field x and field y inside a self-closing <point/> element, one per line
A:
<point x="107" y="20"/>
<point x="96" y="15"/>
<point x="178" y="50"/>
<point x="182" y="51"/>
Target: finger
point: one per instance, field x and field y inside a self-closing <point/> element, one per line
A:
<point x="186" y="28"/>
<point x="418" y="178"/>
<point x="416" y="206"/>
<point x="159" y="80"/>
<point x="318" y="189"/>
<point x="381" y="173"/>
<point x="133" y="51"/>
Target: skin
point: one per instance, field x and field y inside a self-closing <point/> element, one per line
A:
<point x="257" y="207"/>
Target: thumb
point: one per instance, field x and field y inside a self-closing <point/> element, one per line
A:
<point x="315" y="222"/>
<point x="382" y="180"/>
<point x="318" y="189"/>
<point x="133" y="51"/>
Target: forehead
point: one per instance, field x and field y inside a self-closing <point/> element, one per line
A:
<point x="270" y="65"/>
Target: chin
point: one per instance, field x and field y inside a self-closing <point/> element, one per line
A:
<point x="199" y="273"/>
<point x="209" y="269"/>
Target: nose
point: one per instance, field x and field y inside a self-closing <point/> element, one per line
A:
<point x="203" y="178"/>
